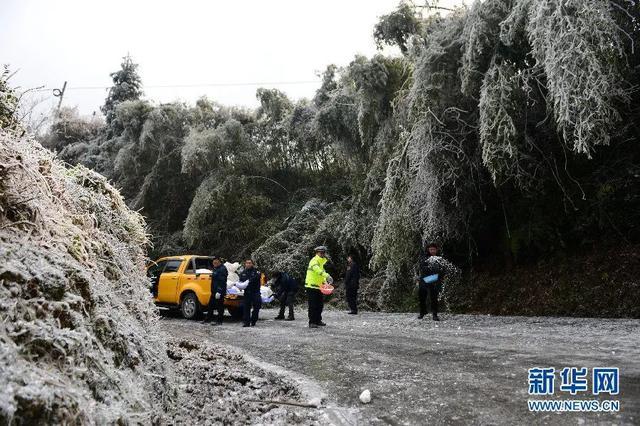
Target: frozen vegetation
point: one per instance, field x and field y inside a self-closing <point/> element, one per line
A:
<point x="80" y="340"/>
<point x="506" y="131"/>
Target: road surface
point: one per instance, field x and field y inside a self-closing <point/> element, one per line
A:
<point x="463" y="370"/>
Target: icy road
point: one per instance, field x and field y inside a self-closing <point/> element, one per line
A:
<point x="463" y="370"/>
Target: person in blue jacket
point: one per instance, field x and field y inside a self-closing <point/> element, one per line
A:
<point x="286" y="289"/>
<point x="218" y="291"/>
<point x="252" y="299"/>
<point x="431" y="290"/>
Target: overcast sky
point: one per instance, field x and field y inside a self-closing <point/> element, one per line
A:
<point x="184" y="42"/>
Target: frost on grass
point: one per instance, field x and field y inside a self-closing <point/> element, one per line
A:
<point x="78" y="332"/>
<point x="80" y="342"/>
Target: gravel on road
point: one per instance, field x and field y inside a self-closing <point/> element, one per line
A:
<point x="465" y="369"/>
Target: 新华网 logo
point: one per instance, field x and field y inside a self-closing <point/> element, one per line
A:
<point x="574" y="381"/>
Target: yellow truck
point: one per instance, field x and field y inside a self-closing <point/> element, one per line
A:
<point x="179" y="282"/>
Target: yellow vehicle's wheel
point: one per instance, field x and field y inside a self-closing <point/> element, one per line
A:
<point x="190" y="306"/>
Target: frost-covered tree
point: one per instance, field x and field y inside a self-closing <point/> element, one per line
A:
<point x="329" y="84"/>
<point x="229" y="215"/>
<point x="127" y="86"/>
<point x="8" y="101"/>
<point x="505" y="131"/>
<point x="510" y="91"/>
<point x="397" y="27"/>
<point x="69" y="127"/>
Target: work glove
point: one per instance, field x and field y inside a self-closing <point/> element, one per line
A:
<point x="218" y="296"/>
<point x="329" y="279"/>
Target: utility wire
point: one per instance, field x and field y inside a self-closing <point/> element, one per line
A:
<point x="171" y="86"/>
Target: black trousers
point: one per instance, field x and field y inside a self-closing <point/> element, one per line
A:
<point x="430" y="290"/>
<point x="215" y="305"/>
<point x="352" y="298"/>
<point x="252" y="304"/>
<point x="316" y="303"/>
<point x="286" y="300"/>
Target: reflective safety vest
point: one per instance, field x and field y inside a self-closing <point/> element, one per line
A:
<point x="316" y="274"/>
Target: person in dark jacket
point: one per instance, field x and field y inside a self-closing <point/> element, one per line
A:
<point x="252" y="299"/>
<point x="431" y="290"/>
<point x="286" y="289"/>
<point x="352" y="283"/>
<point x="218" y="291"/>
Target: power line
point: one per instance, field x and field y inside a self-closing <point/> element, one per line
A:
<point x="176" y="86"/>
